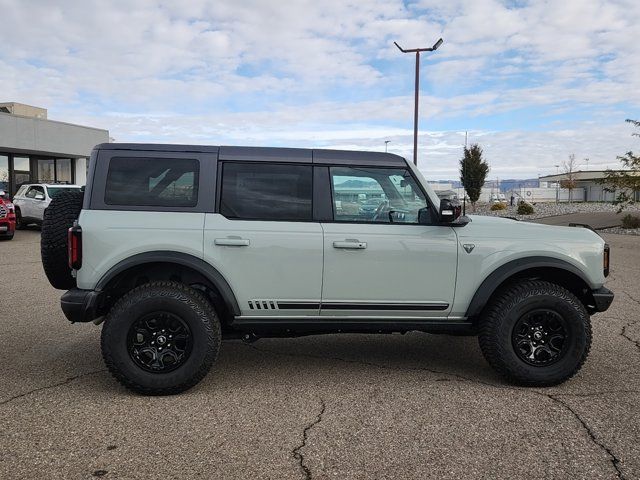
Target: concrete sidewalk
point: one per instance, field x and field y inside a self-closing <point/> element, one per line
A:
<point x="597" y="220"/>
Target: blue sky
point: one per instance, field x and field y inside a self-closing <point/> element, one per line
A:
<point x="532" y="82"/>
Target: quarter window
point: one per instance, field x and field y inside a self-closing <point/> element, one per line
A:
<point x="375" y="195"/>
<point x="256" y="191"/>
<point x="169" y="182"/>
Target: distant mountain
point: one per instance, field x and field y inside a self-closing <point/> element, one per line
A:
<point x="505" y="185"/>
<point x="357" y="184"/>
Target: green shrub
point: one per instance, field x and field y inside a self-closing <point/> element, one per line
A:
<point x="525" y="208"/>
<point x="630" y="221"/>
<point x="498" y="206"/>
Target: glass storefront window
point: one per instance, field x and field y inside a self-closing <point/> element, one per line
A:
<point x="46" y="172"/>
<point x="21" y="164"/>
<point x="4" y="173"/>
<point x="63" y="170"/>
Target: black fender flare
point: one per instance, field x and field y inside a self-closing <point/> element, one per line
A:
<point x="183" y="259"/>
<point x="509" y="269"/>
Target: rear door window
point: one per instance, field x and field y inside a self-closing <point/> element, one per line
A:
<point x="157" y="182"/>
<point x="263" y="191"/>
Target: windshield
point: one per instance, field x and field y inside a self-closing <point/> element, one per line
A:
<point x="53" y="191"/>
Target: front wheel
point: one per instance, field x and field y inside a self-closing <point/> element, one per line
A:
<point x="161" y="338"/>
<point x="536" y="333"/>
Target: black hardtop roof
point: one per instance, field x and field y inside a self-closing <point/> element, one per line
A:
<point x="301" y="155"/>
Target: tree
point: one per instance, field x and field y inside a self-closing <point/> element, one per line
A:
<point x="569" y="169"/>
<point x="625" y="182"/>
<point x="473" y="172"/>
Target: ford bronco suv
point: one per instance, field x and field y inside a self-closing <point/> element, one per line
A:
<point x="175" y="247"/>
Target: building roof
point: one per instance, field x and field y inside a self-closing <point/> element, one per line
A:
<point x="580" y="175"/>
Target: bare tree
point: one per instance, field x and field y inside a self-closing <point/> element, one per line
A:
<point x="569" y="169"/>
<point x="625" y="182"/>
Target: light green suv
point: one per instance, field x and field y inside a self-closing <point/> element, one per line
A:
<point x="175" y="247"/>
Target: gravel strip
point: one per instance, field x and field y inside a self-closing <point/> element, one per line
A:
<point x="621" y="231"/>
<point x="550" y="209"/>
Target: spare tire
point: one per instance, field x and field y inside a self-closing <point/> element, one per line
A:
<point x="59" y="216"/>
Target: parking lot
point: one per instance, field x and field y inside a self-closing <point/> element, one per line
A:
<point x="342" y="406"/>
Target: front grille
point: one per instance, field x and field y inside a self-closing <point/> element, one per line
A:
<point x="3" y="211"/>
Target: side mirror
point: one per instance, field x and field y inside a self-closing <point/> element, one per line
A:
<point x="449" y="210"/>
<point x="39" y="196"/>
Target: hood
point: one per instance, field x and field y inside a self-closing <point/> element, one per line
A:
<point x="496" y="227"/>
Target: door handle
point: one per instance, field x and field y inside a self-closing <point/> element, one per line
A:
<point x="232" y="242"/>
<point x="351" y="244"/>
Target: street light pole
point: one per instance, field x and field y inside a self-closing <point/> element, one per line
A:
<point x="386" y="143"/>
<point x="417" y="88"/>
<point x="557" y="185"/>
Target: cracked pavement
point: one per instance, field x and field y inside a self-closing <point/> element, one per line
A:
<point x="334" y="406"/>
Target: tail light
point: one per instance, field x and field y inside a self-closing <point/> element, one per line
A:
<point x="74" y="245"/>
<point x="605" y="260"/>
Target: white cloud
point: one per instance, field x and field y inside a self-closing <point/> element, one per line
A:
<point x="327" y="73"/>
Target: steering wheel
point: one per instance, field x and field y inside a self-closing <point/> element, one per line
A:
<point x="380" y="211"/>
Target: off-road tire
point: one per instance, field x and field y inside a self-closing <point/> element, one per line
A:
<point x="179" y="299"/>
<point x="501" y="316"/>
<point x="58" y="218"/>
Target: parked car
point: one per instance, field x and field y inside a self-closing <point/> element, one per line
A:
<point x="174" y="247"/>
<point x="32" y="199"/>
<point x="369" y="207"/>
<point x="7" y="217"/>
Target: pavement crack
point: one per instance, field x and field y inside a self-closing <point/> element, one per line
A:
<point x="46" y="387"/>
<point x="296" y="452"/>
<point x="624" y="334"/>
<point x="615" y="461"/>
<point x="631" y="297"/>
<point x="455" y="376"/>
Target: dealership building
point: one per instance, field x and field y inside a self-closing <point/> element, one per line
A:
<point x="35" y="149"/>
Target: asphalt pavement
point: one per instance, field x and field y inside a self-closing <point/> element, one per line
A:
<point x="333" y="406"/>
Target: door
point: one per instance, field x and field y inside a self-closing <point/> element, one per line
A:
<point x="33" y="203"/>
<point x="379" y="262"/>
<point x="262" y="238"/>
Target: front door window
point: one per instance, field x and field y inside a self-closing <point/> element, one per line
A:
<point x="375" y="195"/>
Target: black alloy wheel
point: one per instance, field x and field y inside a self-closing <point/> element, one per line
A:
<point x="159" y="342"/>
<point x="540" y="337"/>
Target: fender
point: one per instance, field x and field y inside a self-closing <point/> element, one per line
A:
<point x="184" y="259"/>
<point x="502" y="273"/>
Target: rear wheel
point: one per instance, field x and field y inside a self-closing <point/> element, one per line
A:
<point x="536" y="333"/>
<point x="161" y="338"/>
<point x="59" y="216"/>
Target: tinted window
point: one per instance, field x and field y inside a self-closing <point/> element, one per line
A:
<point x="381" y="195"/>
<point x="257" y="191"/>
<point x="53" y="191"/>
<point x="171" y="182"/>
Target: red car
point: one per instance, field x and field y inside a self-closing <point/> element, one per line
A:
<point x="7" y="217"/>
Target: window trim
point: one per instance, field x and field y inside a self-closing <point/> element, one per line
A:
<point x="218" y="203"/>
<point x="361" y="222"/>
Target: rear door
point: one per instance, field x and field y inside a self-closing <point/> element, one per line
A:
<point x="262" y="237"/>
<point x="379" y="262"/>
